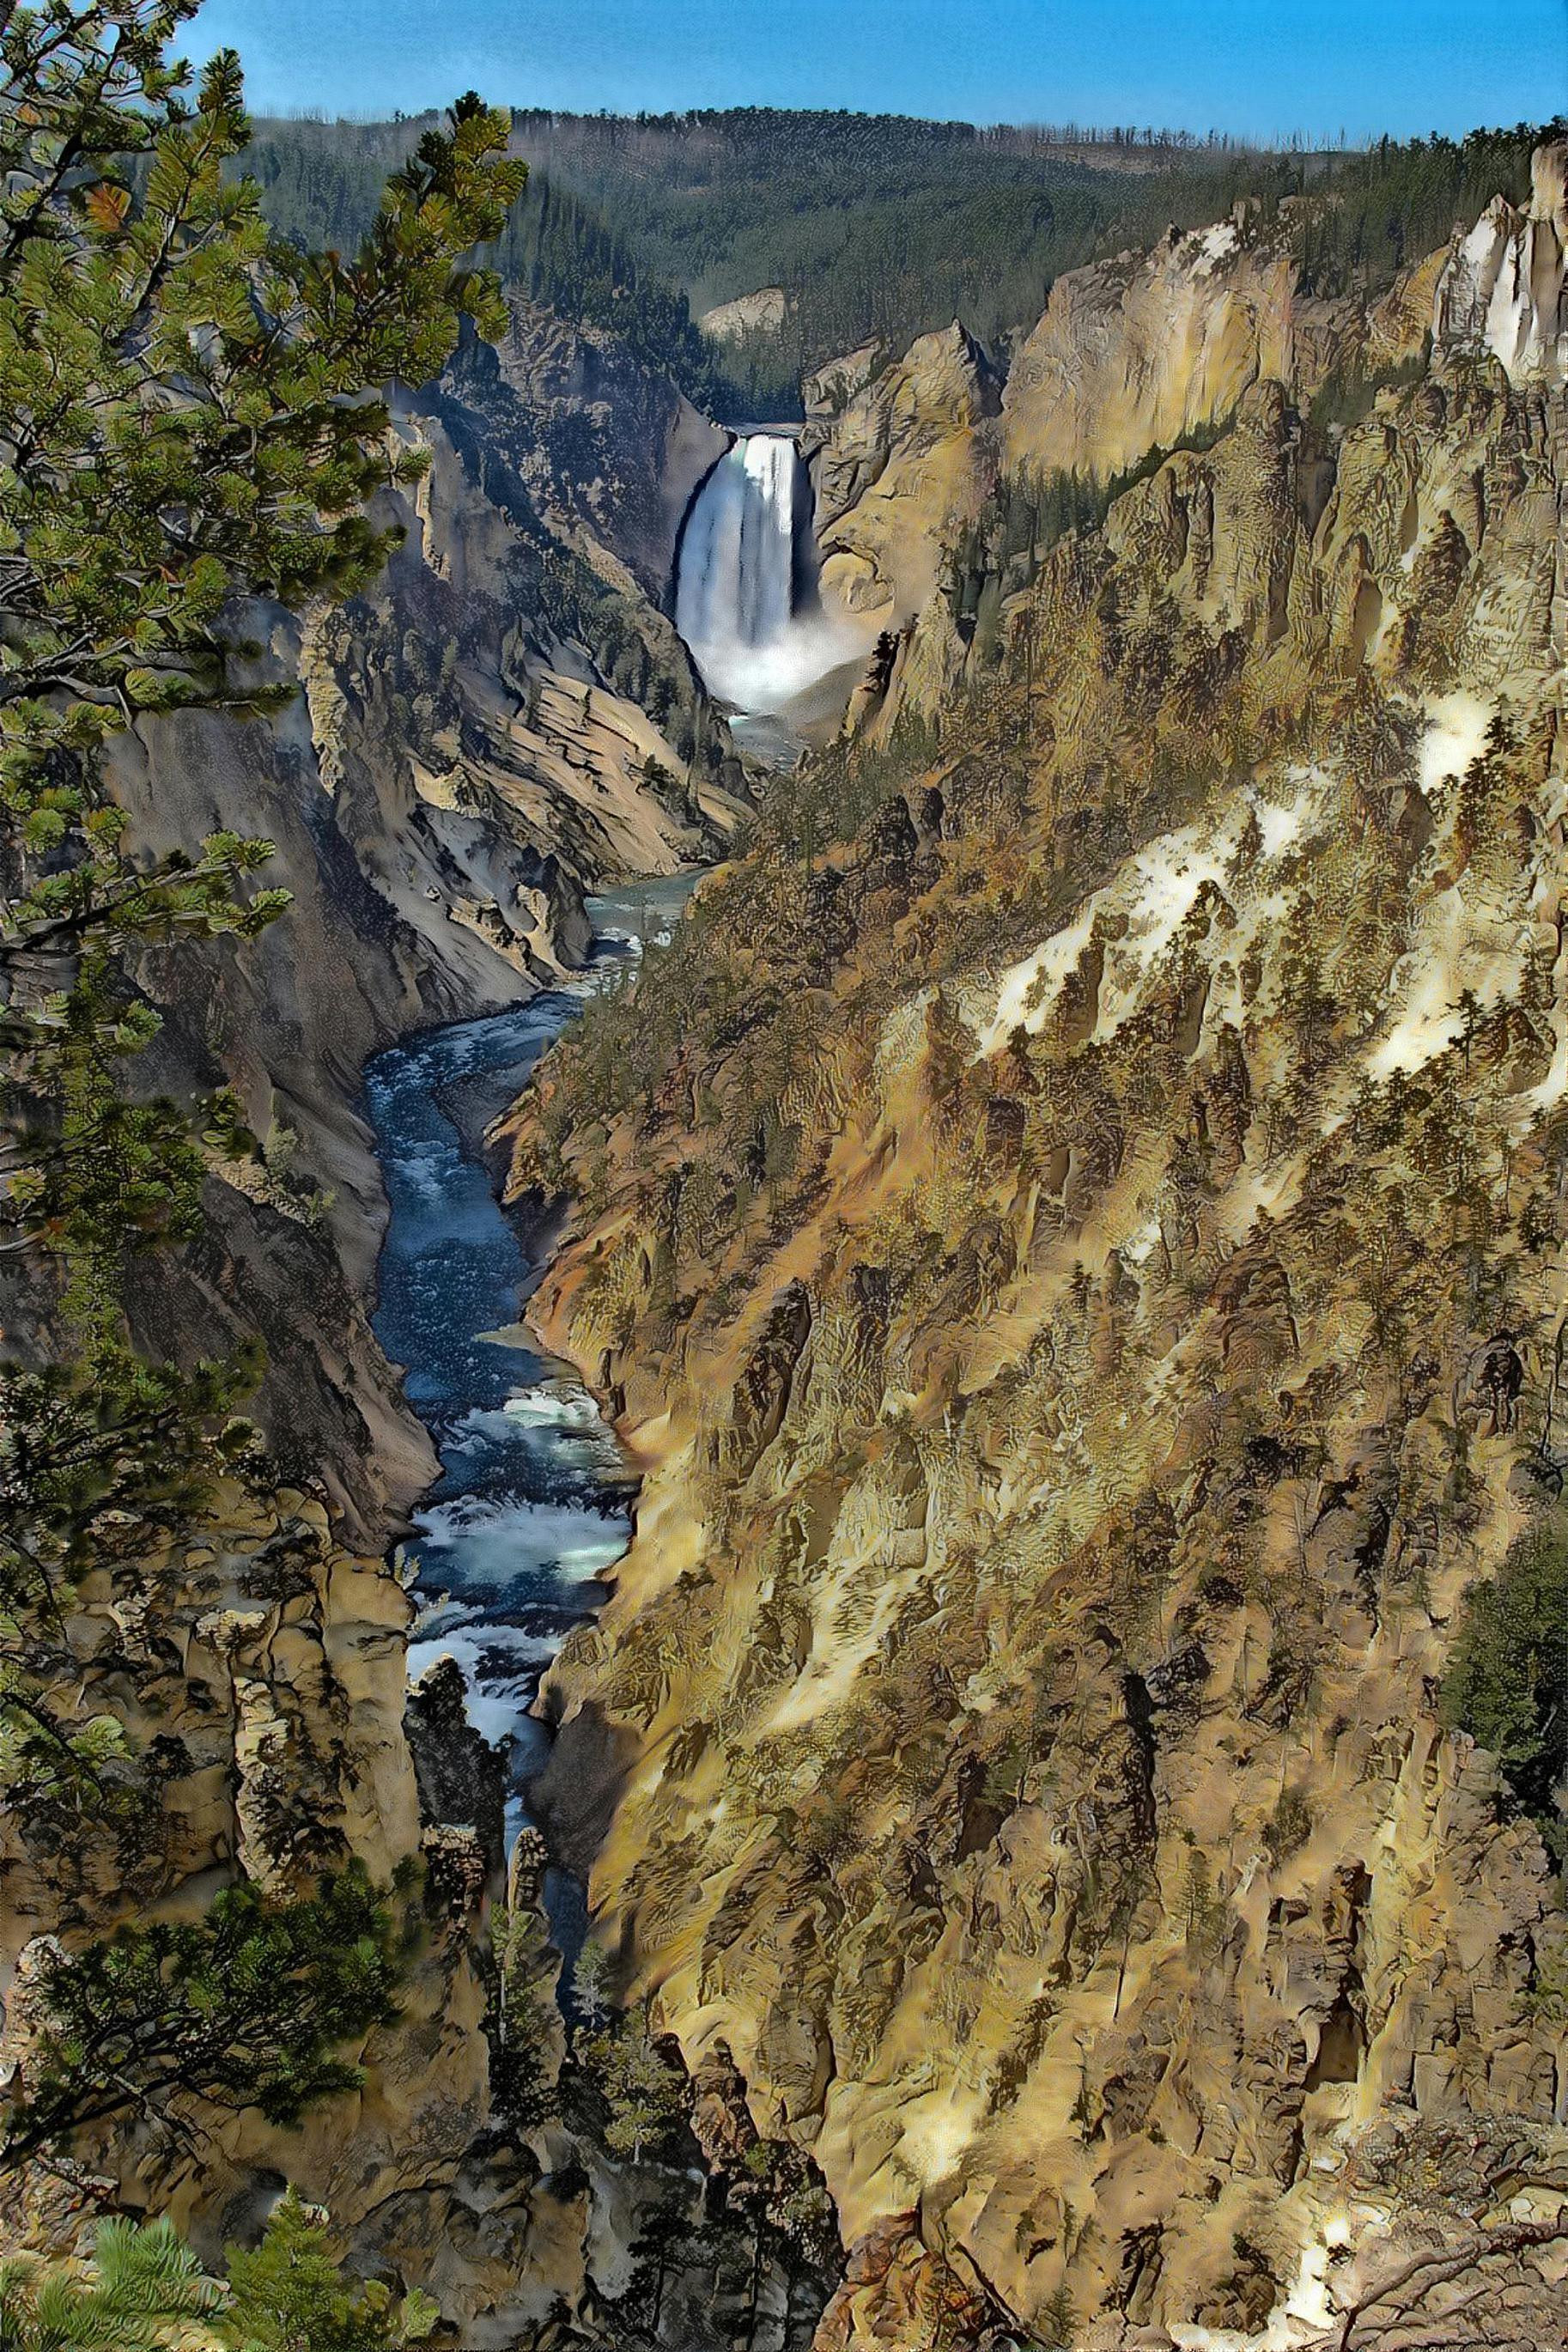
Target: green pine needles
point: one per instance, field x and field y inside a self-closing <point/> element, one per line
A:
<point x="288" y="2296"/>
<point x="140" y="2284"/>
<point x="246" y="2008"/>
<point x="1507" y="1683"/>
<point x="140" y="2289"/>
<point x="193" y="417"/>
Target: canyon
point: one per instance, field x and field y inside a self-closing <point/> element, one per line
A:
<point x="1066" y="1237"/>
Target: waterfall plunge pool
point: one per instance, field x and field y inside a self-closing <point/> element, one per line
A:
<point x="749" y="601"/>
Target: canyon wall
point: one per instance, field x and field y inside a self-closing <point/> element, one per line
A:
<point x="1138" y="352"/>
<point x="901" y="454"/>
<point x="1141" y="352"/>
<point x="1502" y="288"/>
<point x="1072" y="1233"/>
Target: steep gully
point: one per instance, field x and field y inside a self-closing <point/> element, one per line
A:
<point x="532" y="1505"/>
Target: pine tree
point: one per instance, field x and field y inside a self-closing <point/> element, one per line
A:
<point x="143" y="2290"/>
<point x="191" y="415"/>
<point x="288" y="2296"/>
<point x="1507" y="1683"/>
<point x="1059" y="2321"/>
<point x="246" y="2008"/>
<point x="140" y="2284"/>
<point x="647" y="2094"/>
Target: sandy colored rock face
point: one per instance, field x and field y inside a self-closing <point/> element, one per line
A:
<point x="763" y="313"/>
<point x="1053" y="1345"/>
<point x="1130" y="356"/>
<point x="272" y="1670"/>
<point x="1141" y="352"/>
<point x="898" y="460"/>
<point x="1504" y="291"/>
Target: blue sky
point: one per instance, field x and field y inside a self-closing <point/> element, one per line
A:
<point x="1260" y="67"/>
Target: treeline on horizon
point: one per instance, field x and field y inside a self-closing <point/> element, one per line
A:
<point x="879" y="226"/>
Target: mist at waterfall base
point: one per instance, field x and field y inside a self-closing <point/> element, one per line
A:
<point x="747" y="599"/>
<point x="533" y="1503"/>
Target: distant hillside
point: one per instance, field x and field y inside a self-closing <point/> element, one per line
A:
<point x="874" y="226"/>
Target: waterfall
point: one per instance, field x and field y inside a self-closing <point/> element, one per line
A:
<point x="746" y="598"/>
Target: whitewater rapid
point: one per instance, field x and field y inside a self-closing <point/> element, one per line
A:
<point x="534" y="1504"/>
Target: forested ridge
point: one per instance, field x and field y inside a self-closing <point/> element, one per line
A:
<point x="320" y="184"/>
<point x="875" y="226"/>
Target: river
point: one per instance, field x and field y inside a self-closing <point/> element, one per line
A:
<point x="534" y="1504"/>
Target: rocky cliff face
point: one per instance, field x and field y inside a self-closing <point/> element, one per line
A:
<point x="901" y="455"/>
<point x="610" y="452"/>
<point x="1503" y="289"/>
<point x="764" y="312"/>
<point x="1146" y="352"/>
<point x="1080" y="1263"/>
<point x="1139" y="353"/>
<point x="268" y="1668"/>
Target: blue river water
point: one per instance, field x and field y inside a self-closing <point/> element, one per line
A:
<point x="534" y="1504"/>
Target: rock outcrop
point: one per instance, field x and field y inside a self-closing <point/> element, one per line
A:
<point x="898" y="460"/>
<point x="764" y="312"/>
<point x="1131" y="355"/>
<point x="1144" y="352"/>
<point x="269" y="1683"/>
<point x="1504" y="288"/>
<point x="608" y="450"/>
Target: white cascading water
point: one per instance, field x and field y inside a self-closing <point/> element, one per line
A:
<point x="746" y="598"/>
